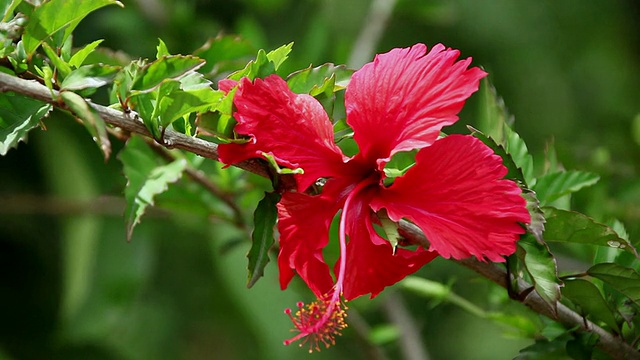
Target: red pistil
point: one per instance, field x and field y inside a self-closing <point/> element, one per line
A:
<point x="320" y="321"/>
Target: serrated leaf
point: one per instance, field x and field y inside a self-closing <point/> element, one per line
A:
<point x="541" y="266"/>
<point x="536" y="225"/>
<point x="550" y="187"/>
<point x="586" y="295"/>
<point x="623" y="279"/>
<point x="91" y="120"/>
<point x="517" y="148"/>
<point x="81" y="55"/>
<point x="224" y="53"/>
<point x="89" y="76"/>
<point x="493" y="114"/>
<point x="574" y="227"/>
<point x="166" y="68"/>
<point x="514" y="172"/>
<point x="146" y="178"/>
<point x="58" y="15"/>
<point x="279" y="55"/>
<point x="124" y="80"/>
<point x="264" y="219"/>
<point x="18" y="115"/>
<point x="307" y="80"/>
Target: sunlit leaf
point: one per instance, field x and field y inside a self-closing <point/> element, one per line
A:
<point x="541" y="266"/>
<point x="550" y="187"/>
<point x="89" y="76"/>
<point x="161" y="49"/>
<point x="623" y="279"/>
<point x="264" y="219"/>
<point x="146" y="178"/>
<point x="58" y="15"/>
<point x="7" y="8"/>
<point x="279" y="55"/>
<point x="91" y="120"/>
<point x="81" y="55"/>
<point x="168" y="67"/>
<point x="18" y="115"/>
<point x="574" y="227"/>
<point x="61" y="66"/>
<point x="307" y="80"/>
<point x="586" y="295"/>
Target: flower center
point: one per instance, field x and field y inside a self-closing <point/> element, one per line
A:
<point x="320" y="321"/>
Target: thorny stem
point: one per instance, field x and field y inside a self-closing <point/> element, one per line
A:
<point x="613" y="345"/>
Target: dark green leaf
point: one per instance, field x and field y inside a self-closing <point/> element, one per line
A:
<point x="58" y="15"/>
<point x="516" y="147"/>
<point x="581" y="346"/>
<point x="312" y="80"/>
<point x="536" y="226"/>
<point x="541" y="266"/>
<point x="514" y="172"/>
<point x="168" y="67"/>
<point x="623" y="279"/>
<point x="89" y="76"/>
<point x="91" y="120"/>
<point x="588" y="298"/>
<point x="146" y="178"/>
<point x="571" y="226"/>
<point x="224" y="53"/>
<point x="18" y="115"/>
<point x="550" y="187"/>
<point x="264" y="219"/>
<point x="81" y="55"/>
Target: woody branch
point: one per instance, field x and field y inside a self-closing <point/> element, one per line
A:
<point x="129" y="122"/>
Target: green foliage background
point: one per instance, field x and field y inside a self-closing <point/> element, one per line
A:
<point x="72" y="287"/>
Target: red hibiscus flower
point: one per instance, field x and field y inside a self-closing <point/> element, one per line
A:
<point x="455" y="192"/>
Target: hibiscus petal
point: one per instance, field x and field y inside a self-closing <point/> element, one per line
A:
<point x="402" y="99"/>
<point x="293" y="128"/>
<point x="371" y="262"/>
<point x="455" y="193"/>
<point x="303" y="223"/>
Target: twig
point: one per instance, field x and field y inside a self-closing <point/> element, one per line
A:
<point x="410" y="343"/>
<point x="614" y="346"/>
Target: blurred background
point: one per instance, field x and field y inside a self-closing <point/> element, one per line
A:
<point x="73" y="288"/>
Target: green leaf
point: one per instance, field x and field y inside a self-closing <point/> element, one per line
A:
<point x="124" y="80"/>
<point x="582" y="344"/>
<point x="312" y="80"/>
<point x="7" y="8"/>
<point x="516" y="147"/>
<point x="586" y="295"/>
<point x="514" y="172"/>
<point x="58" y="15"/>
<point x="91" y="120"/>
<point x="550" y="187"/>
<point x="623" y="279"/>
<point x="81" y="55"/>
<point x="573" y="227"/>
<point x="225" y="53"/>
<point x="279" y="55"/>
<point x="146" y="178"/>
<point x="178" y="103"/>
<point x="536" y="226"/>
<point x="63" y="68"/>
<point x="493" y="114"/>
<point x="89" y="76"/>
<point x="541" y="266"/>
<point x="264" y="219"/>
<point x="18" y="115"/>
<point x="161" y="49"/>
<point x="166" y="68"/>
